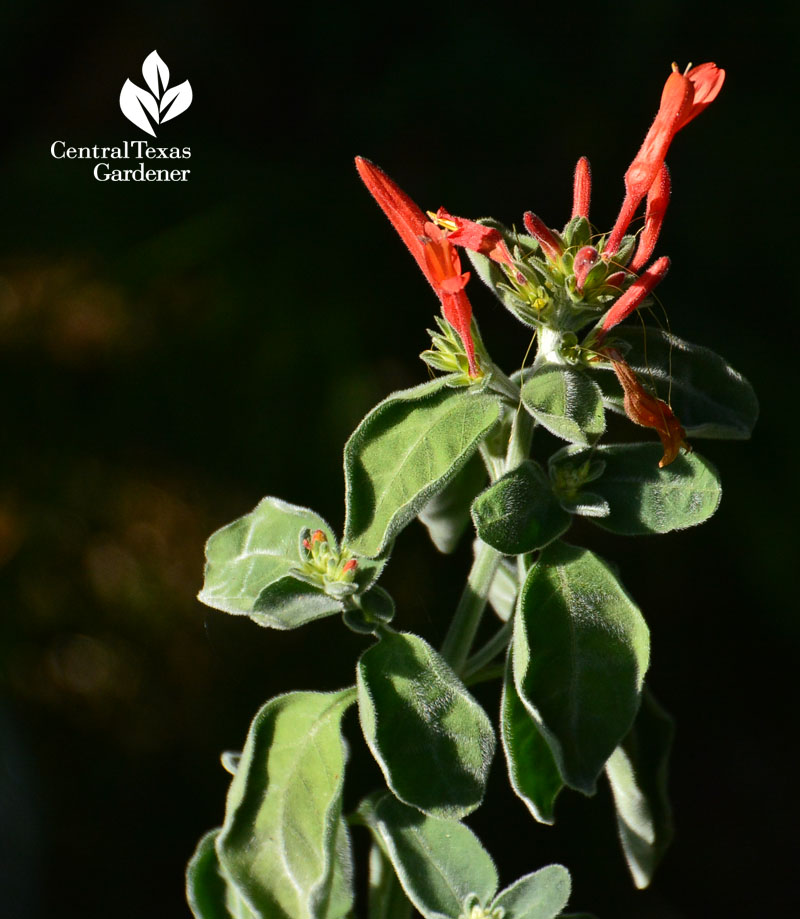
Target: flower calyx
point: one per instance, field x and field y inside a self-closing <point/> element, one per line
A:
<point x="473" y="909"/>
<point x="447" y="354"/>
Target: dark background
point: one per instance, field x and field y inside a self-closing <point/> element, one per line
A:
<point x="170" y="353"/>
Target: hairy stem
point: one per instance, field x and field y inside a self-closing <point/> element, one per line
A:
<point x="461" y="634"/>
<point x="467" y="617"/>
<point x="486" y="654"/>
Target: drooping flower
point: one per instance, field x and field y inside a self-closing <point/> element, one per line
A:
<point x="431" y="249"/>
<point x="647" y="410"/>
<point x="685" y="95"/>
<point x="633" y="296"/>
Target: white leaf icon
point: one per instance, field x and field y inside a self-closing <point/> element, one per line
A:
<point x="134" y="102"/>
<point x="175" y="100"/>
<point x="153" y="69"/>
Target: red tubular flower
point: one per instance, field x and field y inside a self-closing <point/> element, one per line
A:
<point x="645" y="409"/>
<point x="544" y="235"/>
<point x="634" y="295"/>
<point x="582" y="189"/>
<point x="657" y="201"/>
<point x="685" y="95"/>
<point x="475" y="236"/>
<point x="434" y="254"/>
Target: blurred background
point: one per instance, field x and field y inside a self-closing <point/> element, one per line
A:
<point x="170" y="353"/>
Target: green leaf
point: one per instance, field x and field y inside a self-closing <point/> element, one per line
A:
<point x="580" y="652"/>
<point x="283" y="839"/>
<point x="539" y="895"/>
<point x="637" y="772"/>
<point x="406" y="450"/>
<point x="254" y="568"/>
<point x="642" y="498"/>
<point x="532" y="771"/>
<point x="209" y="893"/>
<point x="565" y="401"/>
<point x="519" y="512"/>
<point x="707" y="395"/>
<point x="249" y="555"/>
<point x="432" y="740"/>
<point x="446" y="515"/>
<point x="386" y="897"/>
<point x="439" y="862"/>
<point x="504" y="589"/>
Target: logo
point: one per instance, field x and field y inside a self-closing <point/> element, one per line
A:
<point x="148" y="110"/>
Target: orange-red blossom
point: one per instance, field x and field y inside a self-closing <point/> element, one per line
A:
<point x="647" y="410"/>
<point x="685" y="95"/>
<point x="433" y="250"/>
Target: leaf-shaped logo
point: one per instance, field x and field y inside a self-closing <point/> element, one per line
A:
<point x="148" y="109"/>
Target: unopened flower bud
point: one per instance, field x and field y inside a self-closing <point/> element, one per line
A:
<point x="585" y="259"/>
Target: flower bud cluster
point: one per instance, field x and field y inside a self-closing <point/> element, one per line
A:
<point x="325" y="566"/>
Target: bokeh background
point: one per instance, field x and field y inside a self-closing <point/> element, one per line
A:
<point x="170" y="353"/>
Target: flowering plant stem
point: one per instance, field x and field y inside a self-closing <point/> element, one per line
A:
<point x="464" y="625"/>
<point x="575" y="648"/>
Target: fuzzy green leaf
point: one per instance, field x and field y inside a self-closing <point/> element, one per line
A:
<point x="386" y="897"/>
<point x="504" y="589"/>
<point x="209" y="893"/>
<point x="283" y="839"/>
<point x="539" y="895"/>
<point x="432" y="740"/>
<point x="642" y="498"/>
<point x="406" y="450"/>
<point x="253" y="568"/>
<point x="637" y="772"/>
<point x="439" y="862"/>
<point x="567" y="402"/>
<point x="580" y="652"/>
<point x="532" y="771"/>
<point x="245" y="557"/>
<point x="708" y="396"/>
<point x="446" y="515"/>
<point x="519" y="512"/>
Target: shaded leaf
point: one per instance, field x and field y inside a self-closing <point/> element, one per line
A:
<point x="386" y="897"/>
<point x="406" y="450"/>
<point x="637" y="772"/>
<point x="708" y="396"/>
<point x="432" y="740"/>
<point x="642" y="498"/>
<point x="519" y="512"/>
<point x="504" y="589"/>
<point x="209" y="893"/>
<point x="532" y="771"/>
<point x="580" y="652"/>
<point x="447" y="515"/>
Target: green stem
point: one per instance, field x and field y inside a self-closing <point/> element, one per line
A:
<point x="486" y="654"/>
<point x="466" y="620"/>
<point x="461" y="634"/>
